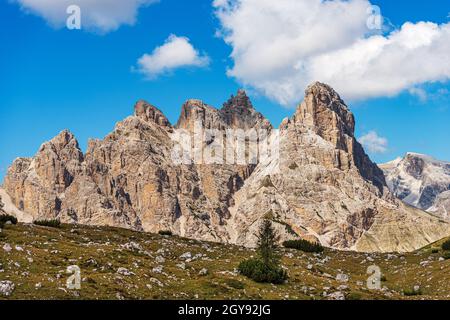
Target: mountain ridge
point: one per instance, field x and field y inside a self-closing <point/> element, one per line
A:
<point x="321" y="186"/>
<point x="421" y="181"/>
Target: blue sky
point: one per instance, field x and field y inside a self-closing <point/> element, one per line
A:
<point x="52" y="78"/>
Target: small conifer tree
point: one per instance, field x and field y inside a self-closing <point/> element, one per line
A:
<point x="267" y="245"/>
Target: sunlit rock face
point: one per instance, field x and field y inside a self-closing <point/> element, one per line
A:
<point x="320" y="185"/>
<point x="420" y="181"/>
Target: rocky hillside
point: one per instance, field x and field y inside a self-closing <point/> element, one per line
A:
<point x="327" y="188"/>
<point x="321" y="186"/>
<point x="123" y="264"/>
<point x="420" y="181"/>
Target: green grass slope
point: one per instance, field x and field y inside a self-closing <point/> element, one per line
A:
<point x="122" y="264"/>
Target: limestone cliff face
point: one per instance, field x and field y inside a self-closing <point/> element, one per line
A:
<point x="36" y="184"/>
<point x="128" y="179"/>
<point x="221" y="181"/>
<point x="321" y="187"/>
<point x="324" y="113"/>
<point x="326" y="188"/>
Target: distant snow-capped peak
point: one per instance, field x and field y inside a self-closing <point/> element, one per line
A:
<point x="420" y="180"/>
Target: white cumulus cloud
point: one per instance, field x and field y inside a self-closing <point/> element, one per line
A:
<point x="96" y="15"/>
<point x="279" y="47"/>
<point x="374" y="143"/>
<point x="176" y="52"/>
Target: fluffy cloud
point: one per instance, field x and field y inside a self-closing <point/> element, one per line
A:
<point x="176" y="52"/>
<point x="279" y="47"/>
<point x="374" y="143"/>
<point x="97" y="15"/>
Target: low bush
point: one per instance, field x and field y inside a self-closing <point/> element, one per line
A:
<point x="412" y="292"/>
<point x="256" y="270"/>
<point x="4" y="218"/>
<point x="303" y="245"/>
<point x="48" y="223"/>
<point x="446" y="245"/>
<point x="354" y="296"/>
<point x="446" y="255"/>
<point x="165" y="233"/>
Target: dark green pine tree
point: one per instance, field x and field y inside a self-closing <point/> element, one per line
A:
<point x="267" y="245"/>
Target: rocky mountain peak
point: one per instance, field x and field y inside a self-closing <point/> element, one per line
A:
<point x="238" y="112"/>
<point x="150" y="113"/>
<point x="421" y="181"/>
<point x="238" y="101"/>
<point x="325" y="111"/>
<point x="414" y="165"/>
<point x="320" y="185"/>
<point x="64" y="146"/>
<point x="194" y="110"/>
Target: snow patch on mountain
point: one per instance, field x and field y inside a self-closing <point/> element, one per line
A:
<point x="421" y="181"/>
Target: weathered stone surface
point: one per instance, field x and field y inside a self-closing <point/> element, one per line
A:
<point x="420" y="181"/>
<point x="36" y="185"/>
<point x="1" y="206"/>
<point x="9" y="208"/>
<point x="6" y="288"/>
<point x="326" y="188"/>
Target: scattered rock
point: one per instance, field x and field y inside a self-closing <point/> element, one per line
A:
<point x="7" y="247"/>
<point x="336" y="296"/>
<point x="424" y="263"/>
<point x="6" y="288"/>
<point x="158" y="269"/>
<point x="186" y="255"/>
<point x="341" y="277"/>
<point x="125" y="272"/>
<point x="157" y="282"/>
<point x="203" y="272"/>
<point x="182" y="266"/>
<point x="132" y="246"/>
<point x="119" y="296"/>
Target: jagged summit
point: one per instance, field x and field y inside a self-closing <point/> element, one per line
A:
<point x="62" y="139"/>
<point x="238" y="113"/>
<point x="65" y="146"/>
<point x="324" y="110"/>
<point x="420" y="181"/>
<point x="148" y="112"/>
<point x="326" y="114"/>
<point x="425" y="157"/>
<point x="240" y="100"/>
